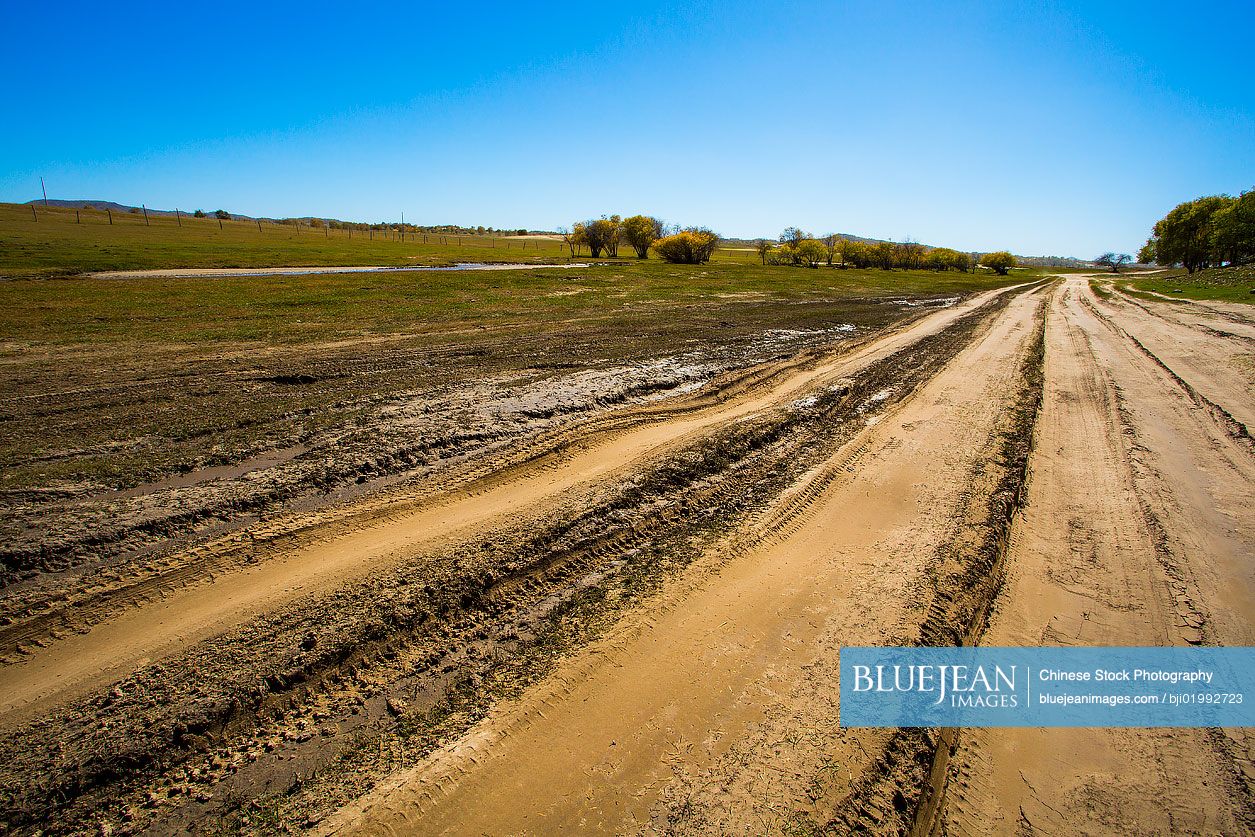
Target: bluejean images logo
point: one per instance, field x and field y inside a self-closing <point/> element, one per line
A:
<point x="1047" y="687"/>
<point x="961" y="685"/>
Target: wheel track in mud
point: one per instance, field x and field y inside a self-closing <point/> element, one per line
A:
<point x="1235" y="428"/>
<point x="904" y="789"/>
<point x="256" y="543"/>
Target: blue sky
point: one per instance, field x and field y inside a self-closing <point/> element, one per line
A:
<point x="1043" y="127"/>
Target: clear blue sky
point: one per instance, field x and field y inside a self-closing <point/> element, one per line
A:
<point x="1042" y="127"/>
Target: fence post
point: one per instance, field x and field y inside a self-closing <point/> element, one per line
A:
<point x="77" y="220"/>
<point x="109" y="212"/>
<point x="178" y="217"/>
<point x="145" y="214"/>
<point x="259" y="225"/>
<point x="219" y="223"/>
<point x="34" y="213"/>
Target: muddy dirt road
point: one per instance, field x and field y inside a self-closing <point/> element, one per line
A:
<point x="631" y="622"/>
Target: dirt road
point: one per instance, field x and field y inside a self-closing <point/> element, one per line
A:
<point x="1137" y="531"/>
<point x="633" y="624"/>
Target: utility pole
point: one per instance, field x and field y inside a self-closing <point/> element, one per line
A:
<point x="44" y="189"/>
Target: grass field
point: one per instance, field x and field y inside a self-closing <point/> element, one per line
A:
<point x="1230" y="284"/>
<point x="57" y="245"/>
<point x="292" y="309"/>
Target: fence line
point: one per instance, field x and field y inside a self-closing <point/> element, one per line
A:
<point x="141" y="216"/>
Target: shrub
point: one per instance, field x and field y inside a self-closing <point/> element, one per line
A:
<point x="691" y="246"/>
<point x="999" y="262"/>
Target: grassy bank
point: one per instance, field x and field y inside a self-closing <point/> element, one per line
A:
<point x="1229" y="284"/>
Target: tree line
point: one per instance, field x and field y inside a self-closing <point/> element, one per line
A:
<point x="695" y="245"/>
<point x="1205" y="232"/>
<point x="797" y="247"/>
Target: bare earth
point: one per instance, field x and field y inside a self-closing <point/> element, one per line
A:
<point x="632" y="623"/>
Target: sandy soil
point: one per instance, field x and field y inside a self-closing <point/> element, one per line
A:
<point x="629" y="619"/>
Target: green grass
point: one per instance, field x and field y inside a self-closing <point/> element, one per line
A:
<point x="1229" y="284"/>
<point x="57" y="245"/>
<point x="63" y="242"/>
<point x="1099" y="288"/>
<point x="295" y="309"/>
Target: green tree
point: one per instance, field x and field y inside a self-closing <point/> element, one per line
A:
<point x="811" y="252"/>
<point x="884" y="254"/>
<point x="200" y="213"/>
<point x="832" y="247"/>
<point x="764" y="247"/>
<point x="909" y="255"/>
<point x="943" y="258"/>
<point x="640" y="232"/>
<point x="794" y="236"/>
<point x="579" y="235"/>
<point x="858" y="254"/>
<point x="222" y="215"/>
<point x="1233" y="230"/>
<point x="601" y="234"/>
<point x="999" y="262"/>
<point x="1184" y="235"/>
<point x="694" y="245"/>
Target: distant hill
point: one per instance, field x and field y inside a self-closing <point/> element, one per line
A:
<point x="101" y="206"/>
<point x="305" y="220"/>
